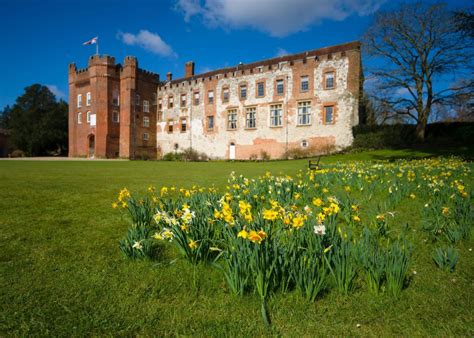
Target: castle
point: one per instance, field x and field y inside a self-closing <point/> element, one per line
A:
<point x="307" y="101"/>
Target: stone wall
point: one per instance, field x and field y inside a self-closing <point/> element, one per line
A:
<point x="318" y="136"/>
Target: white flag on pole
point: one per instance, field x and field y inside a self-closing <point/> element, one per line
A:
<point x="91" y="41"/>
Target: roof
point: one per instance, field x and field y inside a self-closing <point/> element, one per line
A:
<point x="311" y="53"/>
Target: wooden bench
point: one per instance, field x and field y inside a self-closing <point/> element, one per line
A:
<point x="314" y="164"/>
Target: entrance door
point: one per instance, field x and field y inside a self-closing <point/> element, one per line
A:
<point x="91" y="146"/>
<point x="232" y="151"/>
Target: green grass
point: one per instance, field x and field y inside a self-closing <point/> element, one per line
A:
<point x="61" y="272"/>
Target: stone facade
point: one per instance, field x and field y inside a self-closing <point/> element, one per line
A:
<point x="306" y="101"/>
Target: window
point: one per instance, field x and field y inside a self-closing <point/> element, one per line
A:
<point x="170" y="126"/>
<point x="183" y="100"/>
<point x="261" y="89"/>
<point x="137" y="100"/>
<point x="116" y="99"/>
<point x="93" y="120"/>
<point x="88" y="99"/>
<point x="146" y="121"/>
<point x="79" y="118"/>
<point x="160" y="103"/>
<point x="146" y="106"/>
<point x="304" y="84"/>
<point x="225" y="95"/>
<point x="250" y="118"/>
<point x="304" y="144"/>
<point x="170" y="101"/>
<point x="329" y="114"/>
<point x="159" y="116"/>
<point x="243" y="91"/>
<point x="210" y="123"/>
<point x="115" y="117"/>
<point x="232" y="119"/>
<point x="88" y="117"/>
<point x="329" y="80"/>
<point x="275" y="115"/>
<point x="154" y="99"/>
<point x="196" y="98"/>
<point x="210" y="97"/>
<point x="146" y="137"/>
<point x="280" y="87"/>
<point x="79" y="101"/>
<point x="304" y="113"/>
<point x="183" y="125"/>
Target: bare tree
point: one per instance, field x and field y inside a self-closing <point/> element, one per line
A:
<point x="418" y="50"/>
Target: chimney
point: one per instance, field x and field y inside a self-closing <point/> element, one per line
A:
<point x="169" y="76"/>
<point x="189" y="69"/>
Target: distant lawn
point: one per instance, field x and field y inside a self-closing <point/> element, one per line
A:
<point x="62" y="273"/>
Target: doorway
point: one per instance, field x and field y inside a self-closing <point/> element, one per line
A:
<point x="232" y="151"/>
<point x="91" y="146"/>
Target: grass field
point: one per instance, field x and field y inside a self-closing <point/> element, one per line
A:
<point x="61" y="272"/>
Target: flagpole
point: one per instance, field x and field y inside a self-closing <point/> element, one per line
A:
<point x="97" y="47"/>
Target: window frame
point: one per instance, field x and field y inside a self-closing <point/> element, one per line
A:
<point x="88" y="99"/>
<point x="115" y="113"/>
<point x="79" y="100"/>
<point x="251" y="118"/>
<point x="304" y="79"/>
<point x="210" y="126"/>
<point x="210" y="96"/>
<point x="282" y="81"/>
<point x="170" y="101"/>
<point x="196" y="98"/>
<point x="146" y="106"/>
<point x="224" y="91"/>
<point x="273" y="108"/>
<point x="79" y="118"/>
<point x="304" y="112"/>
<point x="333" y="113"/>
<point x="146" y="122"/>
<point x="325" y="79"/>
<point x="262" y="84"/>
<point x="233" y="121"/>
<point x="137" y="99"/>
<point x="170" y="124"/>
<point x="183" y="121"/>
<point x="146" y="136"/>
<point x="243" y="86"/>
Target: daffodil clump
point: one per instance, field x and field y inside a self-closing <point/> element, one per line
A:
<point x="315" y="231"/>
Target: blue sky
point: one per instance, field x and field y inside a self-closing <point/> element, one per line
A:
<point x="40" y="38"/>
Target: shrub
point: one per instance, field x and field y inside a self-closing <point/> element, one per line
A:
<point x="17" y="153"/>
<point x="173" y="156"/>
<point x="194" y="156"/>
<point x="265" y="156"/>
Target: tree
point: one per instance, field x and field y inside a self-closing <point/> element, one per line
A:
<point x="418" y="48"/>
<point x="38" y="124"/>
<point x="5" y="117"/>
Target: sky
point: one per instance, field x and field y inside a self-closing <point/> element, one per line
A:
<point x="41" y="37"/>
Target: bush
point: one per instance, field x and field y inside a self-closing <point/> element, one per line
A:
<point x="403" y="135"/>
<point x="265" y="156"/>
<point x="186" y="155"/>
<point x="17" y="153"/>
<point x="173" y="157"/>
<point x="194" y="156"/>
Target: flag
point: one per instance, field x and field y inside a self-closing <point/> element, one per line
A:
<point x="91" y="41"/>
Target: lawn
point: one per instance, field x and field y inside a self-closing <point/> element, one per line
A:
<point x="62" y="272"/>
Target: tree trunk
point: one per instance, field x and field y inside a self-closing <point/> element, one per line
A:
<point x="420" y="130"/>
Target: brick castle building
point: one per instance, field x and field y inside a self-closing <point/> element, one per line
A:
<point x="307" y="101"/>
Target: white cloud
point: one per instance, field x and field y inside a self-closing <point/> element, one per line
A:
<point x="276" y="17"/>
<point x="281" y="52"/>
<point x="148" y="41"/>
<point x="56" y="91"/>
